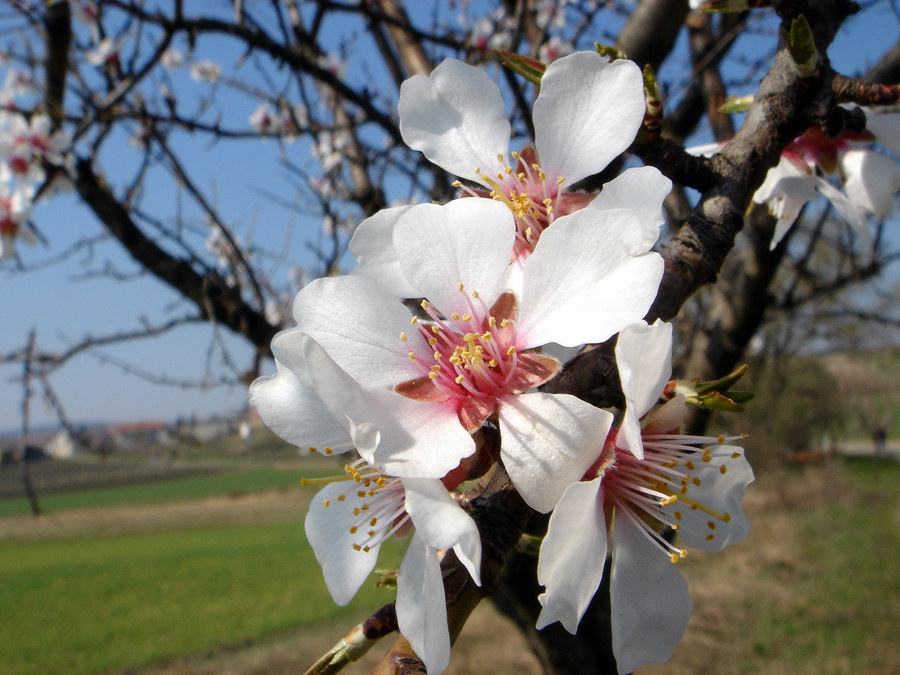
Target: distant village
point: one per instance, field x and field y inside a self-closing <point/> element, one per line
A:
<point x="101" y="440"/>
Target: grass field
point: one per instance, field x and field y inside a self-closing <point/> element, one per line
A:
<point x="98" y="603"/>
<point x="813" y="590"/>
<point x="203" y="487"/>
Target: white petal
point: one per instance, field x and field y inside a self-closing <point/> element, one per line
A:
<point x="642" y="190"/>
<point x="719" y="520"/>
<point x="373" y="247"/>
<point x="572" y="555"/>
<point x="416" y="439"/>
<point x="849" y="210"/>
<point x="466" y="241"/>
<point x="358" y="323"/>
<point x="644" y="359"/>
<point x="288" y="403"/>
<point x="588" y="278"/>
<point x="442" y="523"/>
<point x="587" y="113"/>
<point x="421" y="605"/>
<point x="456" y="117"/>
<point x="548" y="442"/>
<point x="650" y="601"/>
<point x="328" y="531"/>
<point x="872" y="180"/>
<point x="885" y="127"/>
<point x="786" y="178"/>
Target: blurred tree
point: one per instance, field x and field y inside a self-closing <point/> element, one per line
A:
<point x="122" y="99"/>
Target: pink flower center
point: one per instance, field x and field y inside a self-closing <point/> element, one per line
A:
<point x="473" y="359"/>
<point x="655" y="492"/>
<point x="534" y="199"/>
<point x="815" y="147"/>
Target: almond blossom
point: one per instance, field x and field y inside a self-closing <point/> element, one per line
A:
<point x="15" y="205"/>
<point x="349" y="520"/>
<point x="870" y="179"/>
<point x="354" y="514"/>
<point x="472" y="353"/>
<point x="638" y="487"/>
<point x="586" y="114"/>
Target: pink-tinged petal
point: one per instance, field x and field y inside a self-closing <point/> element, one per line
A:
<point x="589" y="277"/>
<point x="456" y="117"/>
<point x="466" y="241"/>
<point x="548" y="442"/>
<point x="442" y="523"/>
<point x="328" y="530"/>
<point x="644" y="359"/>
<point x="642" y="190"/>
<point x="850" y="211"/>
<point x="359" y="324"/>
<point x="372" y="245"/>
<point x="473" y="412"/>
<point x="532" y="370"/>
<point x="421" y="605"/>
<point x="587" y="113"/>
<point x="421" y="389"/>
<point x="288" y="403"/>
<point x="711" y="516"/>
<point x="885" y="127"/>
<point x="667" y="418"/>
<point x="872" y="180"/>
<point x="650" y="600"/>
<point x="415" y="439"/>
<point x="572" y="555"/>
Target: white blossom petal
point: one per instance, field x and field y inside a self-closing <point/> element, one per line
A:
<point x="288" y="403"/>
<point x="644" y="359"/>
<point x="849" y="210"/>
<point x="442" y="523"/>
<point x="421" y="605"/>
<point x="719" y="521"/>
<point x="415" y="439"/>
<point x="872" y="180"/>
<point x="549" y="441"/>
<point x="572" y="555"/>
<point x="358" y="323"/>
<point x="328" y="531"/>
<point x="588" y="278"/>
<point x="642" y="190"/>
<point x="373" y="247"/>
<point x="650" y="600"/>
<point x="466" y="241"/>
<point x="885" y="126"/>
<point x="587" y="113"/>
<point x="456" y="117"/>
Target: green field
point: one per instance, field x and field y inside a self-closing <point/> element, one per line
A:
<point x="813" y="590"/>
<point x="220" y="484"/>
<point x="90" y="605"/>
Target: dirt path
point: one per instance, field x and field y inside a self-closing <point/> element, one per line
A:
<point x="262" y="507"/>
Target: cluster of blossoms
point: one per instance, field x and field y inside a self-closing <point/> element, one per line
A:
<point x="515" y="269"/>
<point x="31" y="153"/>
<point x="870" y="179"/>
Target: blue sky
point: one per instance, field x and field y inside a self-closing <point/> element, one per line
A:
<point x="63" y="306"/>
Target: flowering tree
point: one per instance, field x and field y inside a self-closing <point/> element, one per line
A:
<point x="498" y="234"/>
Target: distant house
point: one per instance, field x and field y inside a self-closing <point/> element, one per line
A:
<point x="62" y="445"/>
<point x="139" y="435"/>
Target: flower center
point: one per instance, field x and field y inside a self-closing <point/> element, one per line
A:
<point x="375" y="500"/>
<point x="472" y="358"/>
<point x="533" y="199"/>
<point x="655" y="492"/>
